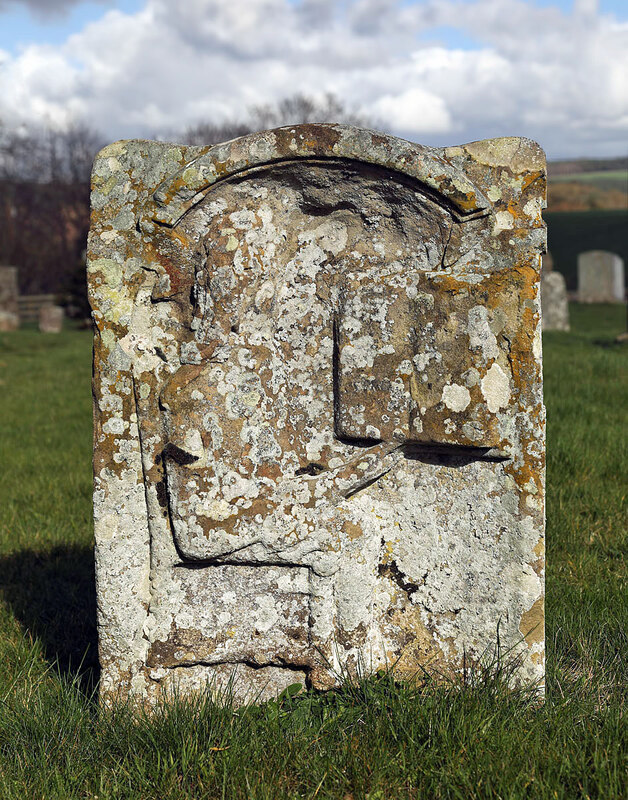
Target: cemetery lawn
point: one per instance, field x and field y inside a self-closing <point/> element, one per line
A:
<point x="374" y="740"/>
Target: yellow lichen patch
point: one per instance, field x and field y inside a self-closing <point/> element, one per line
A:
<point x="419" y="649"/>
<point x="532" y="625"/>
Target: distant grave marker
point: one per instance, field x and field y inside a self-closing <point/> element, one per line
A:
<point x="51" y="319"/>
<point x="9" y="316"/>
<point x="554" y="304"/>
<point x="600" y="277"/>
<point x="319" y="428"/>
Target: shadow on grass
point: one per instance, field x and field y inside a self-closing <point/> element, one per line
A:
<point x="52" y="594"/>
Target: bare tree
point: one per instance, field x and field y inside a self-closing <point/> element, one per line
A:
<point x="292" y="110"/>
<point x="301" y="108"/>
<point x="44" y="187"/>
<point x="44" y="203"/>
<point x="204" y="133"/>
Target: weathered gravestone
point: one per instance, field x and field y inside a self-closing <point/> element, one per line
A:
<point x="319" y="423"/>
<point x="554" y="303"/>
<point x="51" y="319"/>
<point x="600" y="277"/>
<point x="9" y="292"/>
<point x="547" y="263"/>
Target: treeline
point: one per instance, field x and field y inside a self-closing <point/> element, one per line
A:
<point x="44" y="204"/>
<point x="44" y="189"/>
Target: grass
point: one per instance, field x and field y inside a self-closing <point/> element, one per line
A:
<point x="604" y="179"/>
<point x="371" y="740"/>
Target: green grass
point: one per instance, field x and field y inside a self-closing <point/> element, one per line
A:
<point x="572" y="232"/>
<point x="370" y="740"/>
<point x="604" y="179"/>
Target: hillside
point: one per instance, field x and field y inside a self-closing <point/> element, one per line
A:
<point x="575" y="166"/>
<point x="588" y="184"/>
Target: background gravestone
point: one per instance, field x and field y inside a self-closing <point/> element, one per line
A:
<point x="600" y="277"/>
<point x="319" y="429"/>
<point x="9" y="316"/>
<point x="554" y="303"/>
<point x="51" y="319"/>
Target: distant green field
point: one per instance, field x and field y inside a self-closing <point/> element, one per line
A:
<point x="472" y="741"/>
<point x="610" y="179"/>
<point x="572" y="232"/>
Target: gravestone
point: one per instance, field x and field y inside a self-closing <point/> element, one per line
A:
<point x="600" y="277"/>
<point x="554" y="303"/>
<point x="319" y="429"/>
<point x="51" y="319"/>
<point x="547" y="263"/>
<point x="9" y="292"/>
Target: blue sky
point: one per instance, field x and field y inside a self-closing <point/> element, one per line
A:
<point x="20" y="26"/>
<point x="436" y="71"/>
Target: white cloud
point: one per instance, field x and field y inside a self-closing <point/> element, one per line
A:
<point x="414" y="110"/>
<point x="535" y="71"/>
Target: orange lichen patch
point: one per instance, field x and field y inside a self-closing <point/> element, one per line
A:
<point x="529" y="178"/>
<point x="532" y="625"/>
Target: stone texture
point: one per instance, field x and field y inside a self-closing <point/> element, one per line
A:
<point x="554" y="302"/>
<point x="319" y="429"/>
<point x="600" y="277"/>
<point x="9" y="292"/>
<point x="51" y="319"/>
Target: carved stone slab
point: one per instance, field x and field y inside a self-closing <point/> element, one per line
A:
<point x="319" y="429"/>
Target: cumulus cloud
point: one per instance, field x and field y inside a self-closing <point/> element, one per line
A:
<point x="534" y="71"/>
<point x="414" y="109"/>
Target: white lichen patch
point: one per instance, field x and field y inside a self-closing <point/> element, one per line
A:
<point x="495" y="387"/>
<point x="456" y="397"/>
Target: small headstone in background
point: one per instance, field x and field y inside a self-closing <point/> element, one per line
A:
<point x="547" y="263"/>
<point x="9" y="315"/>
<point x="554" y="306"/>
<point x="600" y="277"/>
<point x="51" y="319"/>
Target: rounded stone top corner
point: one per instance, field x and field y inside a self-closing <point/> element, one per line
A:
<point x="112" y="150"/>
<point x="514" y="152"/>
<point x="315" y="142"/>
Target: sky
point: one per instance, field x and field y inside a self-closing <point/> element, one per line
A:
<point x="439" y="72"/>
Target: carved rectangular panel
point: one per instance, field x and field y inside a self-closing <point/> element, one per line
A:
<point x="230" y="614"/>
